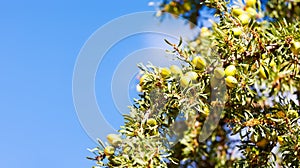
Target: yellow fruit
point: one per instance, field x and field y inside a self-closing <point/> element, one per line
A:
<point x="236" y="31"/>
<point x="230" y="70"/>
<point x="296" y="47"/>
<point x="251" y="11"/>
<point x="199" y="62"/>
<point x="114" y="139"/>
<point x="175" y="70"/>
<point x="109" y="150"/>
<point x="250" y="3"/>
<point x="165" y="72"/>
<point x="231" y="81"/>
<point x="280" y="140"/>
<point x="151" y="122"/>
<point x="244" y="18"/>
<point x="262" y="72"/>
<point x="219" y="73"/>
<point x="237" y="11"/>
<point x="185" y="81"/>
<point x="193" y="75"/>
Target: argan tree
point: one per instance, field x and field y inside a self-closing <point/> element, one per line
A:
<point x="240" y="74"/>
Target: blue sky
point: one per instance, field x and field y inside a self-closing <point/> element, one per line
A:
<point x="39" y="45"/>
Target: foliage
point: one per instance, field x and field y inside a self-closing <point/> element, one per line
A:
<point x="254" y="54"/>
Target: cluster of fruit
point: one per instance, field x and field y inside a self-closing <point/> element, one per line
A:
<point x="229" y="74"/>
<point x="114" y="140"/>
<point x="246" y="13"/>
<point x="190" y="77"/>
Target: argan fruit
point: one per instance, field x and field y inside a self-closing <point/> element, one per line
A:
<point x="236" y="31"/>
<point x="114" y="139"/>
<point x="244" y="18"/>
<point x="193" y="75"/>
<point x="199" y="62"/>
<point x="185" y="81"/>
<point x="219" y="72"/>
<point x="251" y="11"/>
<point x="151" y="122"/>
<point x="165" y="72"/>
<point x="175" y="70"/>
<point x="231" y="81"/>
<point x="250" y="3"/>
<point x="109" y="150"/>
<point x="237" y="11"/>
<point x="230" y="70"/>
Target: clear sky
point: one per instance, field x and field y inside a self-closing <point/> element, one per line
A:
<point x="39" y="44"/>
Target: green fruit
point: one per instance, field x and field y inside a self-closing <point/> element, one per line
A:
<point x="151" y="122"/>
<point x="231" y="81"/>
<point x="237" y="31"/>
<point x="114" y="139"/>
<point x="251" y="11"/>
<point x="230" y="70"/>
<point x="199" y="62"/>
<point x="175" y="70"/>
<point x="193" y="75"/>
<point x="165" y="72"/>
<point x="109" y="150"/>
<point x="244" y="18"/>
<point x="237" y="11"/>
<point x="185" y="81"/>
<point x="262" y="72"/>
<point x="296" y="47"/>
<point x="250" y="3"/>
<point x="219" y="73"/>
